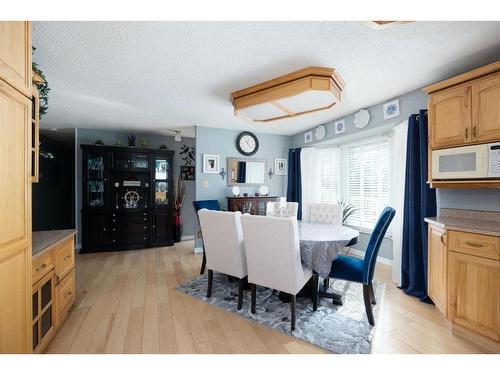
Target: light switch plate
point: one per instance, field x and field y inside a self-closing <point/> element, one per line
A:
<point x="205" y="183"/>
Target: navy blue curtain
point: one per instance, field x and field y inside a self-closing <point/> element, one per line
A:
<point x="420" y="202"/>
<point x="294" y="186"/>
<point x="242" y="171"/>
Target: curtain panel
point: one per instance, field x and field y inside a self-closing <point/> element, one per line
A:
<point x="419" y="202"/>
<point x="294" y="185"/>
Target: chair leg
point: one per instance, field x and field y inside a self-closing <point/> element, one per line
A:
<point x="254" y="297"/>
<point x="292" y="307"/>
<point x="315" y="291"/>
<point x="210" y="282"/>
<point x="241" y="286"/>
<point x="372" y="295"/>
<point x="368" y="304"/>
<point x="203" y="263"/>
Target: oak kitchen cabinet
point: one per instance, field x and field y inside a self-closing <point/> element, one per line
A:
<point x="464" y="110"/>
<point x="15" y="187"/>
<point x="54" y="287"/>
<point x="464" y="278"/>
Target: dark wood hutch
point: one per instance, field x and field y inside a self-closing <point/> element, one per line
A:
<point x="127" y="198"/>
<point x="255" y="205"/>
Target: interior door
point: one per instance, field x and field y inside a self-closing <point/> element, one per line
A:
<point x="486" y="109"/>
<point x="15" y="221"/>
<point x="15" y="55"/>
<point x="450" y="117"/>
<point x="474" y="298"/>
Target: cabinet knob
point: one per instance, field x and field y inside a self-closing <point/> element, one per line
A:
<point x="154" y="226"/>
<point x="114" y="241"/>
<point x="145" y="227"/>
<point x="104" y="229"/>
<point x="144" y="237"/>
<point x="114" y="229"/>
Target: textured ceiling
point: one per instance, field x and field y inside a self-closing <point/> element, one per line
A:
<point x="153" y="76"/>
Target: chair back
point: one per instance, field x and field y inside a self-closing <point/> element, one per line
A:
<point x="376" y="238"/>
<point x="210" y="204"/>
<point x="273" y="252"/>
<point x="282" y="209"/>
<point x="325" y="213"/>
<point x="223" y="242"/>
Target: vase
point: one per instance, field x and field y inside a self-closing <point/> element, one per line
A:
<point x="177" y="227"/>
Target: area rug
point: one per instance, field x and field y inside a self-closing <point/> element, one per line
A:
<point x="339" y="329"/>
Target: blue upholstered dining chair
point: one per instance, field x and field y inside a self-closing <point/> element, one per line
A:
<point x="361" y="270"/>
<point x="211" y="204"/>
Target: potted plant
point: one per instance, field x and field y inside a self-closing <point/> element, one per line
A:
<point x="180" y="191"/>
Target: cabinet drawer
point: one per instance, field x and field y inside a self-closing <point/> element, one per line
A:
<point x="41" y="265"/>
<point x="64" y="258"/>
<point x="65" y="296"/>
<point x="475" y="244"/>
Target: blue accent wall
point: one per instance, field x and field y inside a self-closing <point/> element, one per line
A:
<point x="222" y="142"/>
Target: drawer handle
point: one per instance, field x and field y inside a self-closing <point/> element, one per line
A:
<point x="43" y="266"/>
<point x="466" y="133"/>
<point x="443" y="236"/>
<point x="474" y="132"/>
<point x="474" y="244"/>
<point x="67" y="257"/>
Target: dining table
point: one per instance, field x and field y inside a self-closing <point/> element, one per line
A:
<point x="320" y="244"/>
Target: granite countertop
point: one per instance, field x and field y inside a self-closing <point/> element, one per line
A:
<point x="44" y="239"/>
<point x="481" y="222"/>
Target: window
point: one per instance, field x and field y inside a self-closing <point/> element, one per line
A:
<point x="358" y="174"/>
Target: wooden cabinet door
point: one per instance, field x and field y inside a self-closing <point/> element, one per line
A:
<point x="486" y="109"/>
<point x="474" y="293"/>
<point x="15" y="221"/>
<point x="437" y="267"/>
<point x="450" y="118"/>
<point x="15" y="55"/>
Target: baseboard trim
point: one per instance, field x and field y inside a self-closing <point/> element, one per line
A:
<point x="187" y="238"/>
<point x="361" y="254"/>
<point x="198" y="250"/>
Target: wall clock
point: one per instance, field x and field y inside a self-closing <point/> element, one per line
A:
<point x="247" y="143"/>
<point x="320" y="132"/>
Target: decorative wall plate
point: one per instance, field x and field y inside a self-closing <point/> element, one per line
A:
<point x="320" y="132"/>
<point x="236" y="191"/>
<point x="339" y="127"/>
<point x="263" y="190"/>
<point x="361" y="118"/>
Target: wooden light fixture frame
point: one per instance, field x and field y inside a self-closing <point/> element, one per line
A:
<point x="311" y="78"/>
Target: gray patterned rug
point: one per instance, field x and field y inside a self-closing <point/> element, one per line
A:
<point x="339" y="329"/>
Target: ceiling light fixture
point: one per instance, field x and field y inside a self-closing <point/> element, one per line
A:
<point x="304" y="91"/>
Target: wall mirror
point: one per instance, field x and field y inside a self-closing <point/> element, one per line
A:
<point x="246" y="171"/>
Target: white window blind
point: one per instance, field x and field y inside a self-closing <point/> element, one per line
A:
<point x="330" y="174"/>
<point x="358" y="174"/>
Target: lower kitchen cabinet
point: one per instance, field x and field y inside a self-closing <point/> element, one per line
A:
<point x="474" y="293"/>
<point x="43" y="307"/>
<point x="464" y="280"/>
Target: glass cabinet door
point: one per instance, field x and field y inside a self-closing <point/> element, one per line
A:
<point x="161" y="181"/>
<point x="95" y="179"/>
<point x="139" y="160"/>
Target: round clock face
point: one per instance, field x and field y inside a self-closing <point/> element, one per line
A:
<point x="247" y="143"/>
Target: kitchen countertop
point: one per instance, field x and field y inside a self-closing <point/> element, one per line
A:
<point x="481" y="222"/>
<point x="43" y="240"/>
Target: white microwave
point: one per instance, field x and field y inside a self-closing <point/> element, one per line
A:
<point x="466" y="163"/>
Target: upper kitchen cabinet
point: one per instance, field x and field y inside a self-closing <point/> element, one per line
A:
<point x="15" y="55"/>
<point x="465" y="109"/>
<point x="450" y="117"/>
<point x="486" y="105"/>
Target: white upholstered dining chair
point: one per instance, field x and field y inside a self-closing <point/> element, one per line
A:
<point x="325" y="213"/>
<point x="282" y="209"/>
<point x="224" y="247"/>
<point x="273" y="257"/>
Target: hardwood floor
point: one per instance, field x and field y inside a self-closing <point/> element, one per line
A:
<point x="127" y="303"/>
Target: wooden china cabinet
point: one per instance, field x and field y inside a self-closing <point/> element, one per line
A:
<point x="127" y="198"/>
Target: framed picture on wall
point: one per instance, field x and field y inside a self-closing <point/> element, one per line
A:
<point x="187" y="173"/>
<point x="391" y="109"/>
<point x="210" y="163"/>
<point x="308" y="137"/>
<point x="339" y="127"/>
<point x="280" y="167"/>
